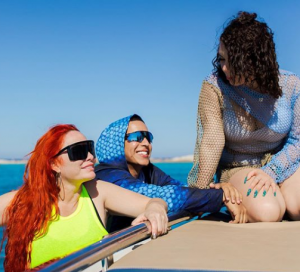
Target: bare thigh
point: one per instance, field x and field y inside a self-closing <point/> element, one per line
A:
<point x="267" y="208"/>
<point x="290" y="190"/>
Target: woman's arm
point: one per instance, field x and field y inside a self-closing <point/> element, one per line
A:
<point x="210" y="137"/>
<point x="124" y="202"/>
<point x="4" y="202"/>
<point x="287" y="160"/>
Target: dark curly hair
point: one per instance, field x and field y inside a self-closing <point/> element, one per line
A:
<point x="251" y="53"/>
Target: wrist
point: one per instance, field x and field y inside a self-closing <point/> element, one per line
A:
<point x="158" y="201"/>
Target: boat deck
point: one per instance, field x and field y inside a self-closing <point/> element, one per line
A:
<point x="218" y="246"/>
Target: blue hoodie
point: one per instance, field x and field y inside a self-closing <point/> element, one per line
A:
<point x="152" y="181"/>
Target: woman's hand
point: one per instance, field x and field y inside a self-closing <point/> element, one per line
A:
<point x="259" y="180"/>
<point x="230" y="192"/>
<point x="238" y="212"/>
<point x="156" y="214"/>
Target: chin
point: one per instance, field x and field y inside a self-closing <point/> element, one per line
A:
<point x="144" y="162"/>
<point x="91" y="176"/>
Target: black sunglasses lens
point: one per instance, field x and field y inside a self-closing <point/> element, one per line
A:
<point x="80" y="151"/>
<point x="91" y="149"/>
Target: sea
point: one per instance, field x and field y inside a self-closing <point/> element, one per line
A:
<point x="11" y="178"/>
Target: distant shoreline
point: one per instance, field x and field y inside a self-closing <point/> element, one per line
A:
<point x="2" y="161"/>
<point x="187" y="158"/>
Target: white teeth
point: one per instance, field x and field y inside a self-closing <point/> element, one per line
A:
<point x="143" y="152"/>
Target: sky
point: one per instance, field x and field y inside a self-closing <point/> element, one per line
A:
<point x="92" y="62"/>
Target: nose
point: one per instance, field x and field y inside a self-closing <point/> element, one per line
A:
<point x="224" y="67"/>
<point x="145" y="142"/>
<point x="90" y="157"/>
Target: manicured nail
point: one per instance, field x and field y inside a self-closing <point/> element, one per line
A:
<point x="255" y="193"/>
<point x="153" y="236"/>
<point x="264" y="193"/>
<point x="245" y="180"/>
<point x="275" y="194"/>
<point x="249" y="192"/>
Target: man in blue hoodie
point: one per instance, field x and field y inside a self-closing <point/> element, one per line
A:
<point x="123" y="150"/>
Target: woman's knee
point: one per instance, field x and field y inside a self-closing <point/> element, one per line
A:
<point x="293" y="207"/>
<point x="266" y="212"/>
<point x="290" y="190"/>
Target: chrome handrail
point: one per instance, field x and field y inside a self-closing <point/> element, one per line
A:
<point x="98" y="251"/>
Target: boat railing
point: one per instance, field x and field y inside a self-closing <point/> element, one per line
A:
<point x="96" y="252"/>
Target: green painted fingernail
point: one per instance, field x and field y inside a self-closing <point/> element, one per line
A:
<point x="264" y="193"/>
<point x="249" y="192"/>
<point x="245" y="180"/>
<point x="275" y="194"/>
<point x="255" y="193"/>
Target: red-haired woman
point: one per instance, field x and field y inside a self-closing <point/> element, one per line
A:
<point x="53" y="214"/>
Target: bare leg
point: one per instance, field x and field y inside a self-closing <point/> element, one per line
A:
<point x="262" y="208"/>
<point x="290" y="190"/>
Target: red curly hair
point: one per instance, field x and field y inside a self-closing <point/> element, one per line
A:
<point x="31" y="209"/>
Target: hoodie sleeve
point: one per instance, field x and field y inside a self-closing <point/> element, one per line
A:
<point x="178" y="197"/>
<point x="161" y="178"/>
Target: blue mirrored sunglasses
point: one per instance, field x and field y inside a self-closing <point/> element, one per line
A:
<point x="139" y="136"/>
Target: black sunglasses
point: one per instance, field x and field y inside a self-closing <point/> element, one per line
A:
<point x="139" y="136"/>
<point x="78" y="151"/>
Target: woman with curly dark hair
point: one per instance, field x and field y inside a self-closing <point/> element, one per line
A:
<point x="248" y="125"/>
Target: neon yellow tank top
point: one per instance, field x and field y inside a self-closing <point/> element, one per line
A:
<point x="69" y="234"/>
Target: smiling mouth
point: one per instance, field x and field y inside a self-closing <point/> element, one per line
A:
<point x="144" y="153"/>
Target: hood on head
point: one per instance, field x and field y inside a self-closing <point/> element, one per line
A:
<point x="110" y="145"/>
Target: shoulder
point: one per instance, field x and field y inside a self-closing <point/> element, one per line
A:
<point x="289" y="82"/>
<point x="286" y="77"/>
<point x="211" y="78"/>
<point x="213" y="89"/>
<point x="214" y="83"/>
<point x="215" y="80"/>
<point x="99" y="190"/>
<point x="100" y="187"/>
<point x="96" y="186"/>
<point x="7" y="198"/>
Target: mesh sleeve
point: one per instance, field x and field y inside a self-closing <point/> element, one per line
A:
<point x="210" y="137"/>
<point x="286" y="162"/>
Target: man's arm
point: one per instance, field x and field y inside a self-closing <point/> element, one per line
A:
<point x="177" y="197"/>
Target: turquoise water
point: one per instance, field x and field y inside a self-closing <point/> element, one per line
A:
<point x="11" y="178"/>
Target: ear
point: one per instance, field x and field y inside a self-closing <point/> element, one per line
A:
<point x="55" y="167"/>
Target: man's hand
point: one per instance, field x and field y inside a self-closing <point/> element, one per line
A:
<point x="238" y="212"/>
<point x="230" y="192"/>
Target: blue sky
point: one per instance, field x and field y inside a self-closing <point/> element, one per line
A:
<point x="92" y="62"/>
